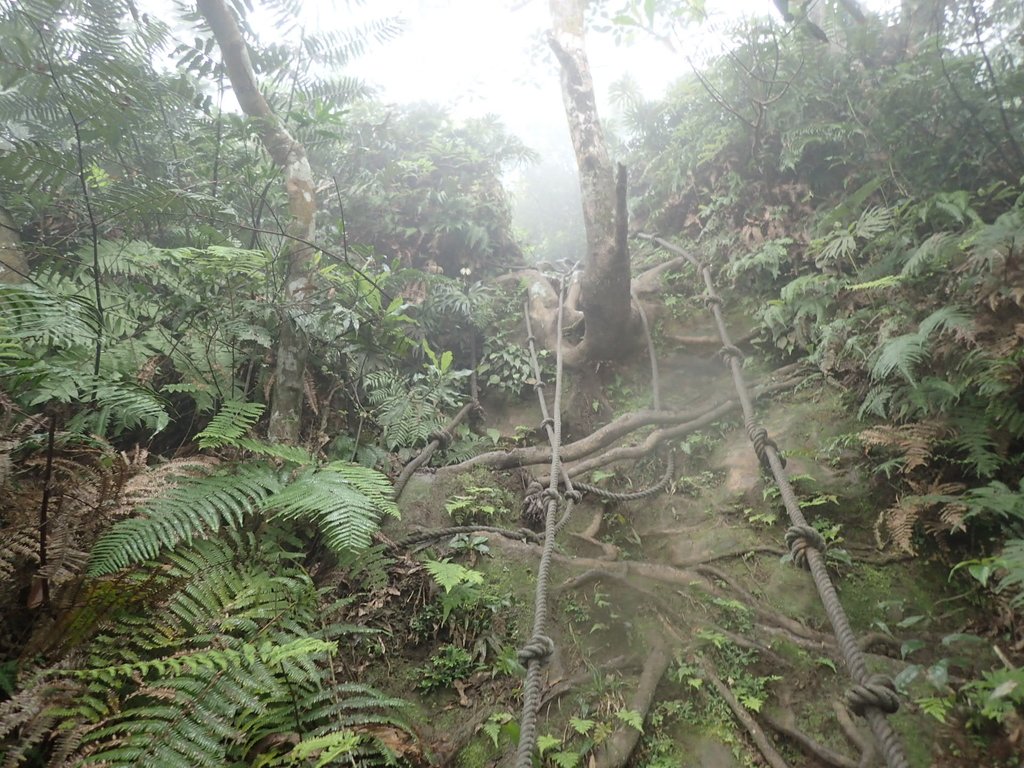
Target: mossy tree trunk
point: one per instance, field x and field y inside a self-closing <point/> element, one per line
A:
<point x="288" y="394"/>
<point x="605" y="294"/>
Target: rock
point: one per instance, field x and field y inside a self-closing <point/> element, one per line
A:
<point x="709" y="753"/>
<point x="743" y="472"/>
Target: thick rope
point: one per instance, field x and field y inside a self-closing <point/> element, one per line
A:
<point x="872" y="696"/>
<point x="536" y="653"/>
<point x="442" y="438"/>
<point x="644" y="493"/>
<point x="422" y="537"/>
<point x="670" y="467"/>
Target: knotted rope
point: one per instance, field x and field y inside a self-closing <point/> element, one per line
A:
<point x="872" y="696"/>
<point x="535" y="654"/>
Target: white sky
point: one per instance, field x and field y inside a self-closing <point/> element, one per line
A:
<point x="481" y="56"/>
<point x="488" y="56"/>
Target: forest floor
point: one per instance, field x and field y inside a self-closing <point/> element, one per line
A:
<point x="665" y="609"/>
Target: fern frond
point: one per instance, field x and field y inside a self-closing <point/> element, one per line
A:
<point x="35" y="313"/>
<point x="949" y="318"/>
<point x="915" y="442"/>
<point x="900" y="353"/>
<point x="344" y="500"/>
<point x="292" y="454"/>
<point x="934" y="253"/>
<point x="231" y="422"/>
<point x="194" y="508"/>
<point x="873" y="222"/>
<point x="208" y="660"/>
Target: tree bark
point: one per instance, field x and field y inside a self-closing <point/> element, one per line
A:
<point x="287" y="395"/>
<point x="605" y="298"/>
<point x="13" y="264"/>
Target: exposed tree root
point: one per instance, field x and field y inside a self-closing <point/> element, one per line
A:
<point x="809" y="745"/>
<point x="650" y="281"/>
<point x="873" y="639"/>
<point x="597" y="574"/>
<point x="452" y="744"/>
<point x="864" y="744"/>
<point x="428" y="450"/>
<point x="595" y="441"/>
<point x="659" y="436"/>
<point x="620" y="572"/>
<point x="771" y="755"/>
<point x="729" y="555"/>
<point x="589" y="535"/>
<point x="684" y="421"/>
<point x="566" y="685"/>
<point x="872" y="556"/>
<point x="615" y="752"/>
<point x="774" y="617"/>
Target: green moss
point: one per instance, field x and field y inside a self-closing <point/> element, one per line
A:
<point x="479" y="753"/>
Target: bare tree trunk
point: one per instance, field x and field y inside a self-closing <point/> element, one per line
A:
<point x="288" y="394"/>
<point x="920" y="21"/>
<point x="13" y="264"/>
<point x="605" y="298"/>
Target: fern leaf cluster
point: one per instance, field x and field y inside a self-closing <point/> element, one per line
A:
<point x="231" y="649"/>
<point x="344" y="501"/>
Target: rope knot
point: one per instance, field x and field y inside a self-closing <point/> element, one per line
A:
<point x="879" y="692"/>
<point x="525" y="534"/>
<point x="730" y="351"/>
<point x="551" y="494"/>
<point x="713" y="300"/>
<point x="539" y="649"/>
<point x="574" y="496"/>
<point x="442" y="437"/>
<point x="548" y="422"/>
<point x="758" y="435"/>
<point x="799" y="538"/>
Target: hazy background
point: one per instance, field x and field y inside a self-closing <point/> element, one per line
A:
<point x="489" y="56"/>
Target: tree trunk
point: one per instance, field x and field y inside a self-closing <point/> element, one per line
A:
<point x="920" y="22"/>
<point x="13" y="264"/>
<point x="605" y="298"/>
<point x="288" y="394"/>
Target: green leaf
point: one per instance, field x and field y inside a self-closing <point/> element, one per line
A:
<point x="449" y="575"/>
<point x="581" y="725"/>
<point x="909" y="646"/>
<point x="751" y="702"/>
<point x="546" y="742"/>
<point x="325" y="749"/>
<point x="232" y="421"/>
<point x="632" y="718"/>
